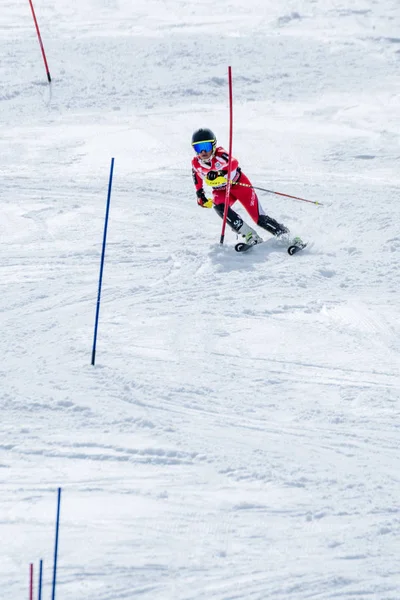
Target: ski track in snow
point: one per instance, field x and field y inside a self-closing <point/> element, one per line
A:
<point x="238" y="437"/>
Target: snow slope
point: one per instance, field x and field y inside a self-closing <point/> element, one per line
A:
<point x="239" y="434"/>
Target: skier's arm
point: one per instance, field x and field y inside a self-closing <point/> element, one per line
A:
<point x="219" y="178"/>
<point x="202" y="200"/>
<point x="234" y="163"/>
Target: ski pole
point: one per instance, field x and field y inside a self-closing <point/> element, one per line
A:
<point x="277" y="193"/>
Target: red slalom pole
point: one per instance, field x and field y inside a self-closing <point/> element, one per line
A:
<point x="31" y="581"/>
<point x="40" y="42"/>
<point x="228" y="185"/>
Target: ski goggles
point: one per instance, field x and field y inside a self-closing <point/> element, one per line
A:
<point x="200" y="146"/>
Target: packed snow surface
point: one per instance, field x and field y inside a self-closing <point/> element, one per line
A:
<point x="238" y="436"/>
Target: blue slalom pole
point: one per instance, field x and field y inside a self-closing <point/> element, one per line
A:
<point x="40" y="580"/>
<point x="53" y="595"/>
<point x="96" y="324"/>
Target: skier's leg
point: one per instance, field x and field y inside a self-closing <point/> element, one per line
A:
<point x="237" y="224"/>
<point x="248" y="197"/>
<point x="271" y="225"/>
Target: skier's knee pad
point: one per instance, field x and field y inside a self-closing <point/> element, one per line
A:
<point x="220" y="209"/>
<point x="271" y="225"/>
<point x="234" y="221"/>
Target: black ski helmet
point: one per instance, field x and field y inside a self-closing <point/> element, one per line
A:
<point x="204" y="135"/>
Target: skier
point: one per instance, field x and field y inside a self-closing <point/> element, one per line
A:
<point x="210" y="166"/>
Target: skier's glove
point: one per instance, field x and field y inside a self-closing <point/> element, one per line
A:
<point x="207" y="204"/>
<point x="202" y="200"/>
<point x="216" y="178"/>
<point x="212" y="175"/>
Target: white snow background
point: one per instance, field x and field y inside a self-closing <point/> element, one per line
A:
<point x="239" y="434"/>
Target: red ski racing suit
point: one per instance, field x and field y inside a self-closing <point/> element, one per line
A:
<point x="214" y="171"/>
<point x="219" y="162"/>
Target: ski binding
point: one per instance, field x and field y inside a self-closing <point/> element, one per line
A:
<point x="296" y="246"/>
<point x="243" y="247"/>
